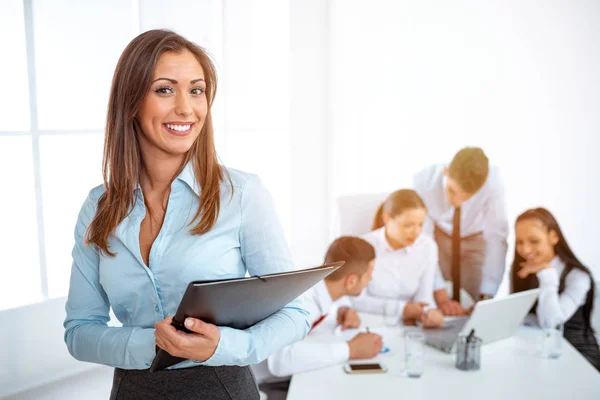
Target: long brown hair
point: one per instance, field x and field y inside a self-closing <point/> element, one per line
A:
<point x="122" y="161"/>
<point x="395" y="204"/>
<point x="562" y="250"/>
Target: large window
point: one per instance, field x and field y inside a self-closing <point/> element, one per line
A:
<point x="51" y="132"/>
<point x="56" y="85"/>
<point x="20" y="278"/>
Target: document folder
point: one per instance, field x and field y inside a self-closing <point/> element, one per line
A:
<point x="240" y="303"/>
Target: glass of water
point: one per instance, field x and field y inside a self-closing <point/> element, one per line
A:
<point x="551" y="341"/>
<point x="390" y="314"/>
<point x="414" y="353"/>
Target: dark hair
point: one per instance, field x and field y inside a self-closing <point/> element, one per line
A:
<point x="356" y="253"/>
<point x="563" y="251"/>
<point x="122" y="161"/>
<point x="395" y="204"/>
<point x="469" y="168"/>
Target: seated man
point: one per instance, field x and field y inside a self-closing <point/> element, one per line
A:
<point x="305" y="355"/>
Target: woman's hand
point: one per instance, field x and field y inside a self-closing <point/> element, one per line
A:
<point x="413" y="310"/>
<point x="528" y="268"/>
<point x="432" y="318"/>
<point x="199" y="346"/>
<point x="348" y="318"/>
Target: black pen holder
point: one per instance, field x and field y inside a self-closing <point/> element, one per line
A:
<point x="468" y="353"/>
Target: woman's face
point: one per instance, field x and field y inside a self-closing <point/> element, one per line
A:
<point x="174" y="110"/>
<point x="406" y="227"/>
<point x="534" y="242"/>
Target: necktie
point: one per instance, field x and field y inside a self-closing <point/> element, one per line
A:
<point x="456" y="255"/>
<point x="317" y="322"/>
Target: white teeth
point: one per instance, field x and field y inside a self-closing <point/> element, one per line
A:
<point x="179" y="128"/>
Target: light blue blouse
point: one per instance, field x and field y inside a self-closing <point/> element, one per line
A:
<point x="247" y="237"/>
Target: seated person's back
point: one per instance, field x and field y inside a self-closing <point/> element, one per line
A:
<point x="306" y="355"/>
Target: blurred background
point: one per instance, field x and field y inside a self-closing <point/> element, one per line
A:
<point x="321" y="98"/>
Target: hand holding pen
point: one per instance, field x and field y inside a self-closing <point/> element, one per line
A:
<point x="365" y="345"/>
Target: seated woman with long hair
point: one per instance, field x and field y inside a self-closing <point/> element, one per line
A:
<point x="544" y="259"/>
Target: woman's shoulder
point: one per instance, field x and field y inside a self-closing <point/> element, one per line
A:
<point x="236" y="178"/>
<point x="427" y="244"/>
<point x="91" y="201"/>
<point x="577" y="277"/>
<point x="373" y="236"/>
<point x="96" y="193"/>
<point x="245" y="185"/>
<point x="90" y="204"/>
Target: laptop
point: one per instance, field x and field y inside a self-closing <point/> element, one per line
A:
<point x="492" y="320"/>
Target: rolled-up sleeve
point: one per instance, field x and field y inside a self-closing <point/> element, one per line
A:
<point x="264" y="250"/>
<point x="87" y="335"/>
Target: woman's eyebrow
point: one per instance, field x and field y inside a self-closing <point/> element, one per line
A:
<point x="174" y="82"/>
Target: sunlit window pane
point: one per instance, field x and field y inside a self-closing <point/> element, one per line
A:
<point x="14" y="101"/>
<point x="71" y="165"/>
<point x="77" y="45"/>
<point x="19" y="261"/>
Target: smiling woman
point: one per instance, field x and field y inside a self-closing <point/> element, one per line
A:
<point x="544" y="259"/>
<point x="174" y="111"/>
<point x="168" y="214"/>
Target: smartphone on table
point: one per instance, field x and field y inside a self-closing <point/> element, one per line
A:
<point x="359" y="368"/>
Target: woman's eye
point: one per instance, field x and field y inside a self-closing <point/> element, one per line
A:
<point x="164" y="90"/>
<point x="197" y="91"/>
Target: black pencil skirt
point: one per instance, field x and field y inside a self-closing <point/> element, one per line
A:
<point x="199" y="383"/>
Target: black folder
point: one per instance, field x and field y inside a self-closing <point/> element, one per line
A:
<point x="240" y="303"/>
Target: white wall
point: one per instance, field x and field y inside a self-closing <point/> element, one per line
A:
<point x="414" y="81"/>
<point x="255" y="77"/>
<point x="310" y="126"/>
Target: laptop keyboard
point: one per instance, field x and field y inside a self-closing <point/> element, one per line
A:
<point x="444" y="338"/>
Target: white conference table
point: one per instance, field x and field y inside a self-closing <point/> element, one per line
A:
<point x="511" y="369"/>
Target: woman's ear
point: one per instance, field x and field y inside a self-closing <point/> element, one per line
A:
<point x="386" y="218"/>
<point x="553" y="237"/>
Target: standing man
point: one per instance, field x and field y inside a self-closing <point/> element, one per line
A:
<point x="467" y="218"/>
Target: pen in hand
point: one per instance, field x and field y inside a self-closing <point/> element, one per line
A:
<point x="368" y="331"/>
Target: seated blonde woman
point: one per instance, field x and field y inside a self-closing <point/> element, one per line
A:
<point x="405" y="265"/>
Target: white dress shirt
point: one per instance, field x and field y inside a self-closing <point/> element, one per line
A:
<point x="484" y="212"/>
<point x="307" y="355"/>
<point x="552" y="308"/>
<point x="400" y="276"/>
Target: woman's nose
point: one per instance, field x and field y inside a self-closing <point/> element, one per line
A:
<point x="183" y="106"/>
